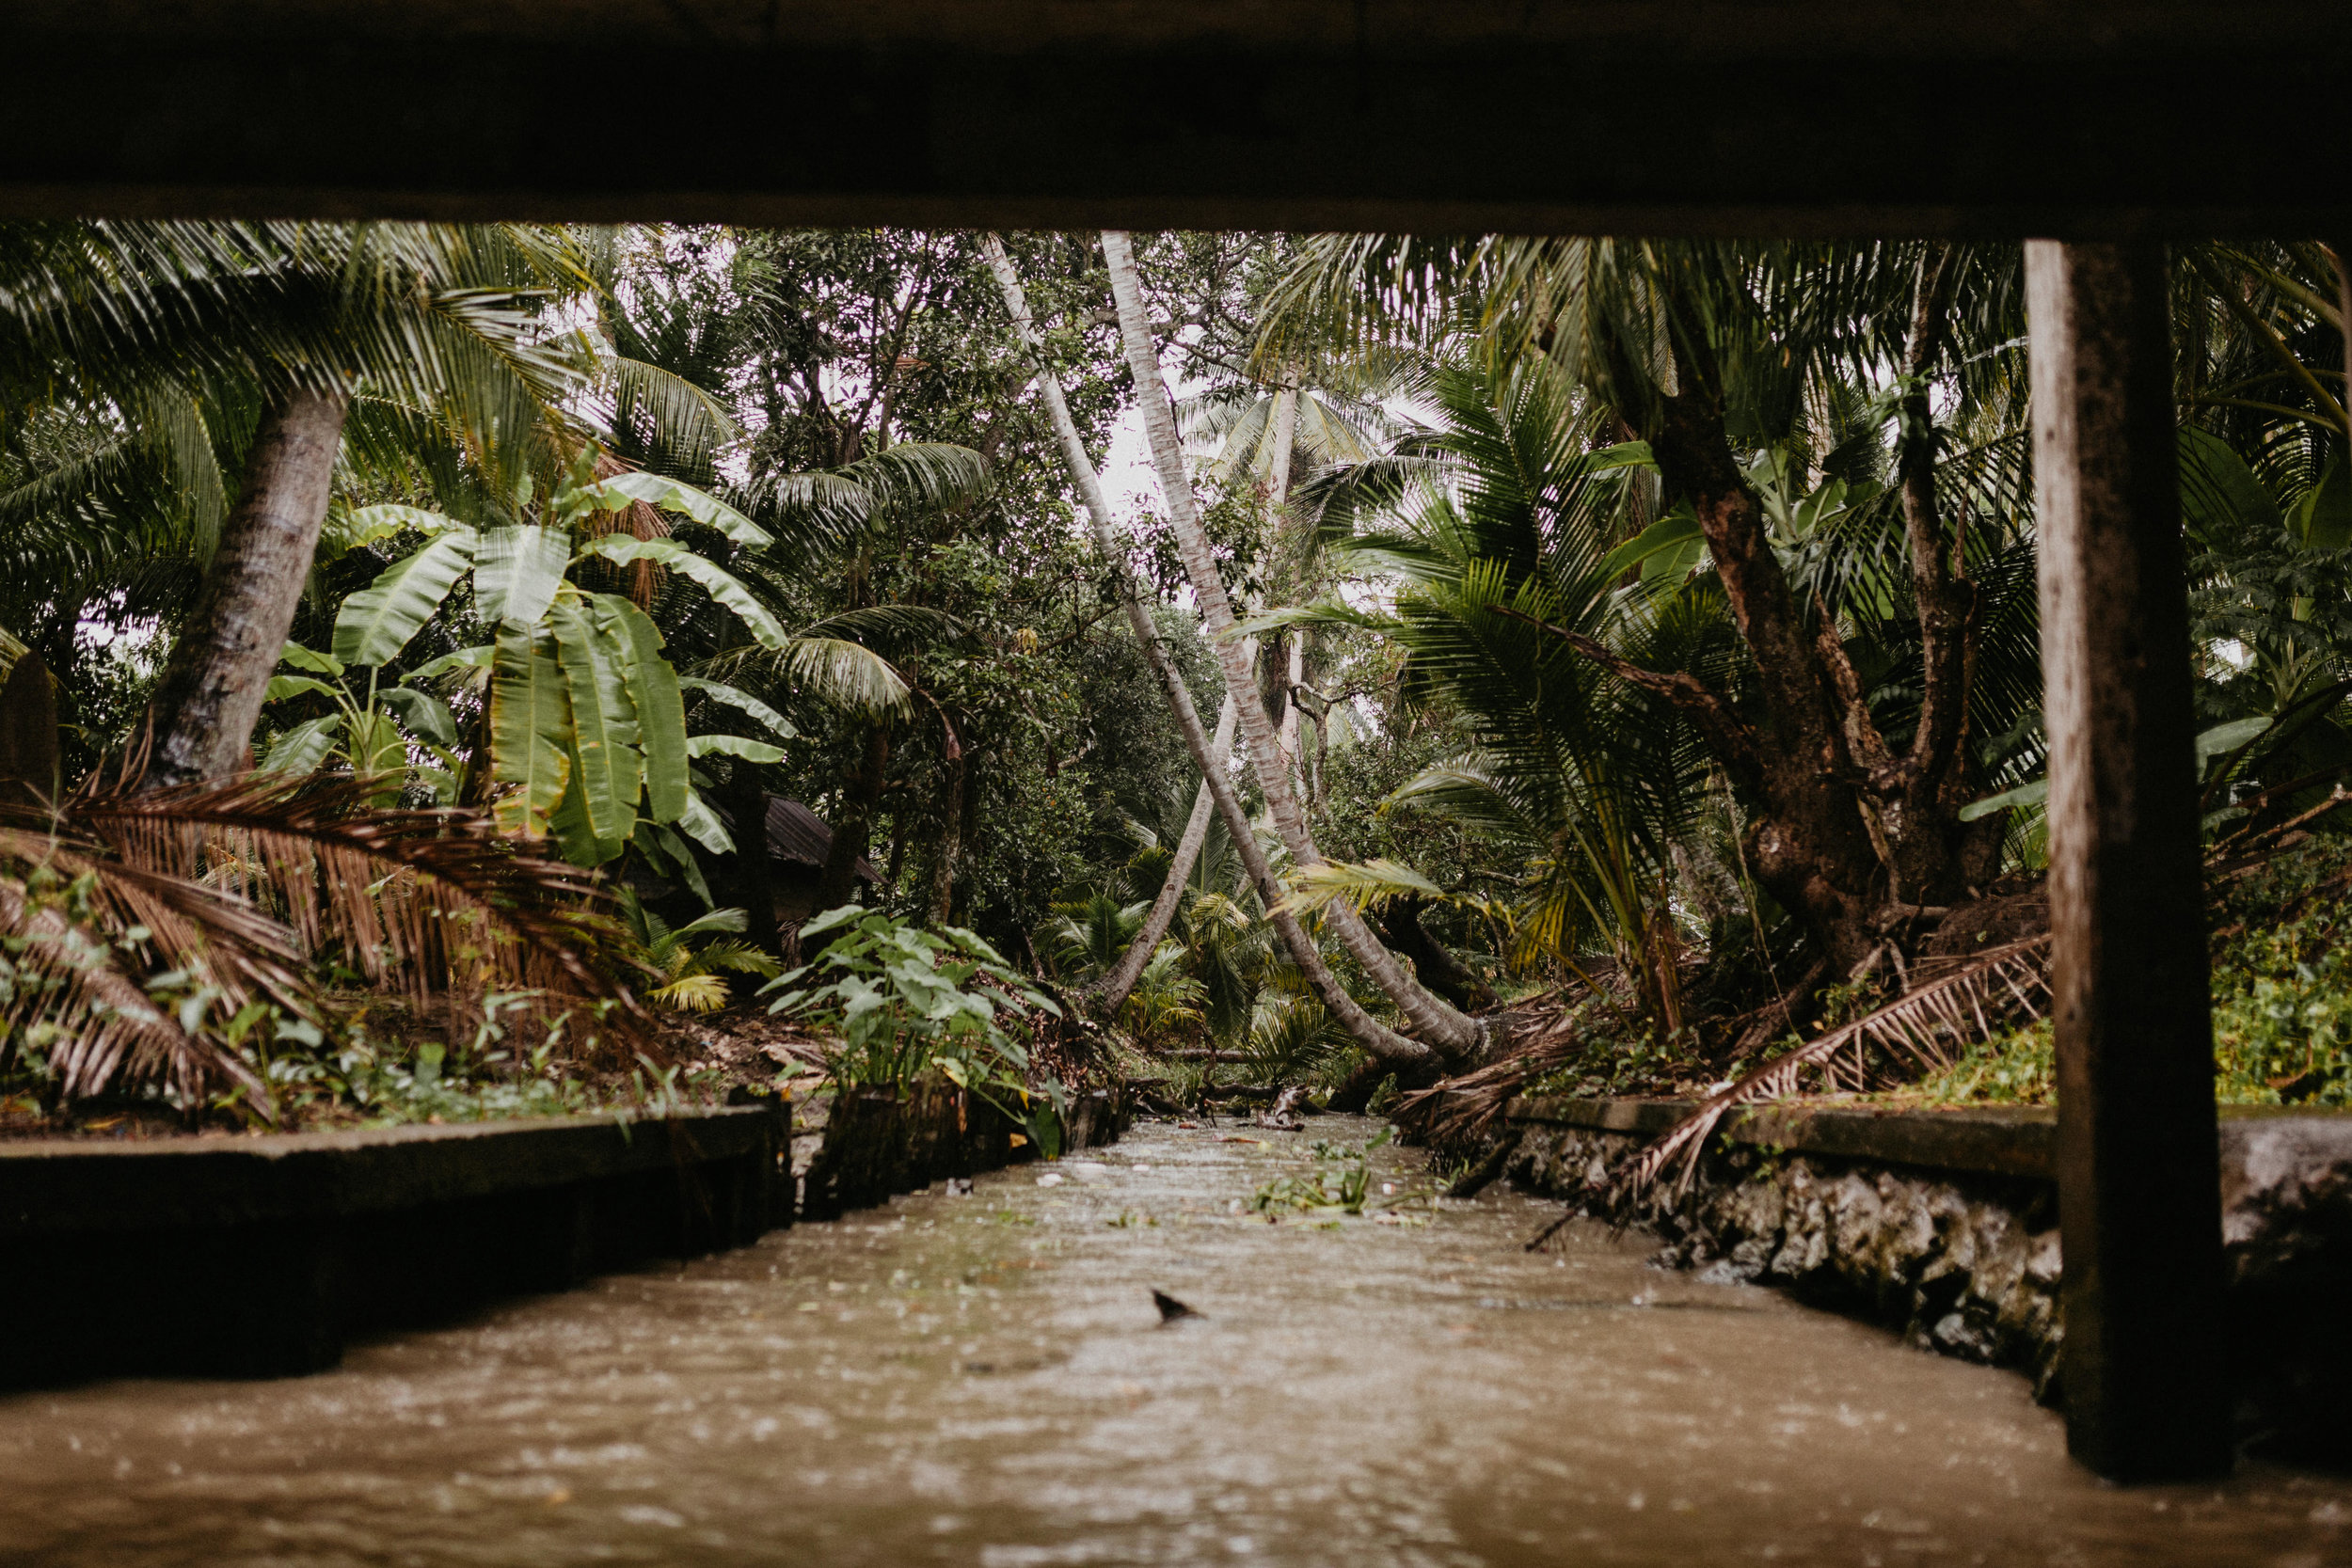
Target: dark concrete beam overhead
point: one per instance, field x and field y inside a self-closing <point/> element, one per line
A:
<point x="2077" y="118"/>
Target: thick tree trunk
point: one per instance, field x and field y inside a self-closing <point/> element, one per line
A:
<point x="1448" y="1030"/>
<point x="950" y="849"/>
<point x="1846" y="836"/>
<point x="1112" y="989"/>
<point x="1403" y="1055"/>
<point x="210" y="698"/>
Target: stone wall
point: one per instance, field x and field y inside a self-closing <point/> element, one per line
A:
<point x="1968" y="1266"/>
<point x="1966" y="1261"/>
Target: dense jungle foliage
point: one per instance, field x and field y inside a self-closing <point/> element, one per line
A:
<point x="1559" y="566"/>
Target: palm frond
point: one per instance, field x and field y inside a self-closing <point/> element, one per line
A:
<point x="1921" y="1031"/>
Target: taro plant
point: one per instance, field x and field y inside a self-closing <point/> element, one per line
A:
<point x="910" y="1003"/>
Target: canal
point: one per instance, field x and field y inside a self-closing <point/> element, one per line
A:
<point x="985" y="1379"/>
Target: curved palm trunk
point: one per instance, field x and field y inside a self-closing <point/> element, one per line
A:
<point x="210" y="698"/>
<point x="1112" y="989"/>
<point x="1295" y="644"/>
<point x="1449" y="1031"/>
<point x="1407" y="1055"/>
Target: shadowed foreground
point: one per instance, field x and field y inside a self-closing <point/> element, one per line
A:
<point x="986" y="1380"/>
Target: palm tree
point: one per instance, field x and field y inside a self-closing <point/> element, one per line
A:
<point x="1383" y="1043"/>
<point x="1448" y="1030"/>
<point x="302" y="328"/>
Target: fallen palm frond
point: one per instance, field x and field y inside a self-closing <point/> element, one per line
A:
<point x="244" y="887"/>
<point x="1921" y="1031"/>
<point x="1465" y="1108"/>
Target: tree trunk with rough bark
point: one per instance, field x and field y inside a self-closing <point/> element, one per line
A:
<point x="1849" y="835"/>
<point x="1450" y="1032"/>
<point x="1407" y="1057"/>
<point x="210" y="698"/>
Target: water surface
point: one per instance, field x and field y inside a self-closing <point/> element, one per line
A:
<point x="985" y="1380"/>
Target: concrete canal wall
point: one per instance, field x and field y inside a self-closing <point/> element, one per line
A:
<point x="1944" y="1226"/>
<point x="259" y="1255"/>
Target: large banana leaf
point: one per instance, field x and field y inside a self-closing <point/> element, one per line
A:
<point x="734" y="746"/>
<point x="701" y="824"/>
<point x="365" y="525"/>
<point x="377" y="623"/>
<point x="713" y="580"/>
<point x="530" y="726"/>
<point x="608" y="766"/>
<point x="301" y="749"/>
<point x="612" y="494"/>
<point x="569" y="824"/>
<point x="425" y="715"/>
<point x="516" y="572"/>
<point x="653" y="689"/>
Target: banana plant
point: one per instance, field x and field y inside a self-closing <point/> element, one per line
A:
<point x="586" y="717"/>
<point x="372" y="734"/>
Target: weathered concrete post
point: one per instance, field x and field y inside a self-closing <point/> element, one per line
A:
<point x="2139" y="1171"/>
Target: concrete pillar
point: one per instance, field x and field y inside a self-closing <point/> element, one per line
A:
<point x="2139" y="1171"/>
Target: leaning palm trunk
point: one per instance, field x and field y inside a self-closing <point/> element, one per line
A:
<point x="202" y="718"/>
<point x="1375" y="1038"/>
<point x="1278" y="488"/>
<point x="1448" y="1030"/>
<point x="1112" y="989"/>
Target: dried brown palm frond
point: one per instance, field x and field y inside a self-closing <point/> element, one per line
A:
<point x="1951" y="1003"/>
<point x="82" y="931"/>
<point x="1538" y="1035"/>
<point x="247" y="883"/>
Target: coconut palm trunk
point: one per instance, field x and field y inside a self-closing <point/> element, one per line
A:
<point x="1450" y="1032"/>
<point x="1295" y="645"/>
<point x="1112" y="989"/>
<point x="210" y="698"/>
<point x="1399" y="1053"/>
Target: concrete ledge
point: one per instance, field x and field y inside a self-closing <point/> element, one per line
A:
<point x="260" y="1257"/>
<point x="49" y="1186"/>
<point x="1987" y="1140"/>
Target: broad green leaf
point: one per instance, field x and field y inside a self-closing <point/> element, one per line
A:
<point x="1669" y="547"/>
<point x="367" y="524"/>
<point x="303" y="658"/>
<point x="713" y="580"/>
<point x="653" y="690"/>
<point x="2222" y="739"/>
<point x="301" y="749"/>
<point x="426" y="716"/>
<point x="571" y="828"/>
<point x="2220" y="497"/>
<point x="612" y="495"/>
<point x="604" y="719"/>
<point x="2323" y="517"/>
<point x="531" y="727"/>
<point x="1625" y="454"/>
<point x="666" y="853"/>
<point x="377" y="621"/>
<point x="2024" y="795"/>
<point x="701" y="824"/>
<point x="516" y="572"/>
<point x="734" y="746"/>
<point x="476" y="657"/>
<point x="282" y="687"/>
<point x="736" y="698"/>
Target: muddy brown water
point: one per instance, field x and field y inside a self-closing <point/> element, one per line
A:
<point x="984" y="1380"/>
